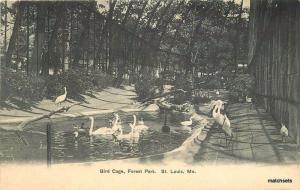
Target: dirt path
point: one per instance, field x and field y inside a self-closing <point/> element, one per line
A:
<point x="108" y="100"/>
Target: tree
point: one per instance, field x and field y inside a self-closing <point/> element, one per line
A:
<point x="16" y="28"/>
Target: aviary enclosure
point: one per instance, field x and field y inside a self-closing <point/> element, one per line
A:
<point x="190" y="80"/>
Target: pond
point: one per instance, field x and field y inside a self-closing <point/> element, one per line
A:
<point x="30" y="146"/>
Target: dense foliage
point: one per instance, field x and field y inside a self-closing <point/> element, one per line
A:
<point x="35" y="88"/>
<point x="241" y="86"/>
<point x="120" y="38"/>
<point x="23" y="86"/>
<point x="146" y="85"/>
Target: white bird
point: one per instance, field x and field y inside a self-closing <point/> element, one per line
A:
<point x="217" y="92"/>
<point x="76" y="133"/>
<point x="61" y="98"/>
<point x="284" y="132"/>
<point x="79" y="130"/>
<point x="215" y="104"/>
<point x="187" y="123"/>
<point x="141" y="125"/>
<point x="248" y="100"/>
<point x="141" y="122"/>
<point x="133" y="136"/>
<point x="105" y="130"/>
<point x="223" y="121"/>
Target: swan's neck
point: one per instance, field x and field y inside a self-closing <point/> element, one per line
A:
<point x="218" y="108"/>
<point x="215" y="110"/>
<point x="134" y="120"/>
<point x="92" y="126"/>
<point x="115" y="122"/>
<point x="65" y="91"/>
<point x="132" y="129"/>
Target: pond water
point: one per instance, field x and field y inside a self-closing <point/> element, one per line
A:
<point x="30" y="146"/>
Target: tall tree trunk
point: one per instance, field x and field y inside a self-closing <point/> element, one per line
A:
<point x="108" y="24"/>
<point x="236" y="45"/>
<point x="71" y="38"/>
<point x="2" y="56"/>
<point x="27" y="38"/>
<point x="5" y="25"/>
<point x="40" y="37"/>
<point x="12" y="41"/>
<point x="188" y="66"/>
<point x="63" y="45"/>
<point x="52" y="53"/>
<point x="94" y="41"/>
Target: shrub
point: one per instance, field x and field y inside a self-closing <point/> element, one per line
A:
<point x="101" y="80"/>
<point x="198" y="99"/>
<point x="20" y="85"/>
<point x="214" y="83"/>
<point x="77" y="81"/>
<point x="145" y="85"/>
<point x="241" y="85"/>
<point x="34" y="88"/>
<point x="182" y="82"/>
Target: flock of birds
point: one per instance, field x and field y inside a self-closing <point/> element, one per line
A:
<point x="217" y="106"/>
<point x="116" y="130"/>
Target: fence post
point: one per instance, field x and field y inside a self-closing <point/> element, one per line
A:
<point x="48" y="144"/>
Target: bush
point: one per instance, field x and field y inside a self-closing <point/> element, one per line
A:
<point x="145" y="85"/>
<point x="20" y="85"/>
<point x="182" y="82"/>
<point x="77" y="81"/>
<point x="101" y="80"/>
<point x="198" y="100"/>
<point x="240" y="86"/>
<point x="214" y="83"/>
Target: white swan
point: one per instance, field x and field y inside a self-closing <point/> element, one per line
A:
<point x="141" y="125"/>
<point x="62" y="97"/>
<point x="141" y="122"/>
<point x="187" y="123"/>
<point x="284" y="132"/>
<point x="248" y="100"/>
<point x="134" y="134"/>
<point x="223" y="121"/>
<point x="105" y="130"/>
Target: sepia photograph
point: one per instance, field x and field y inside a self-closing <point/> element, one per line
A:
<point x="143" y="94"/>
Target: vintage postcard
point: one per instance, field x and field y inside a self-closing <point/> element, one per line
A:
<point x="144" y="94"/>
